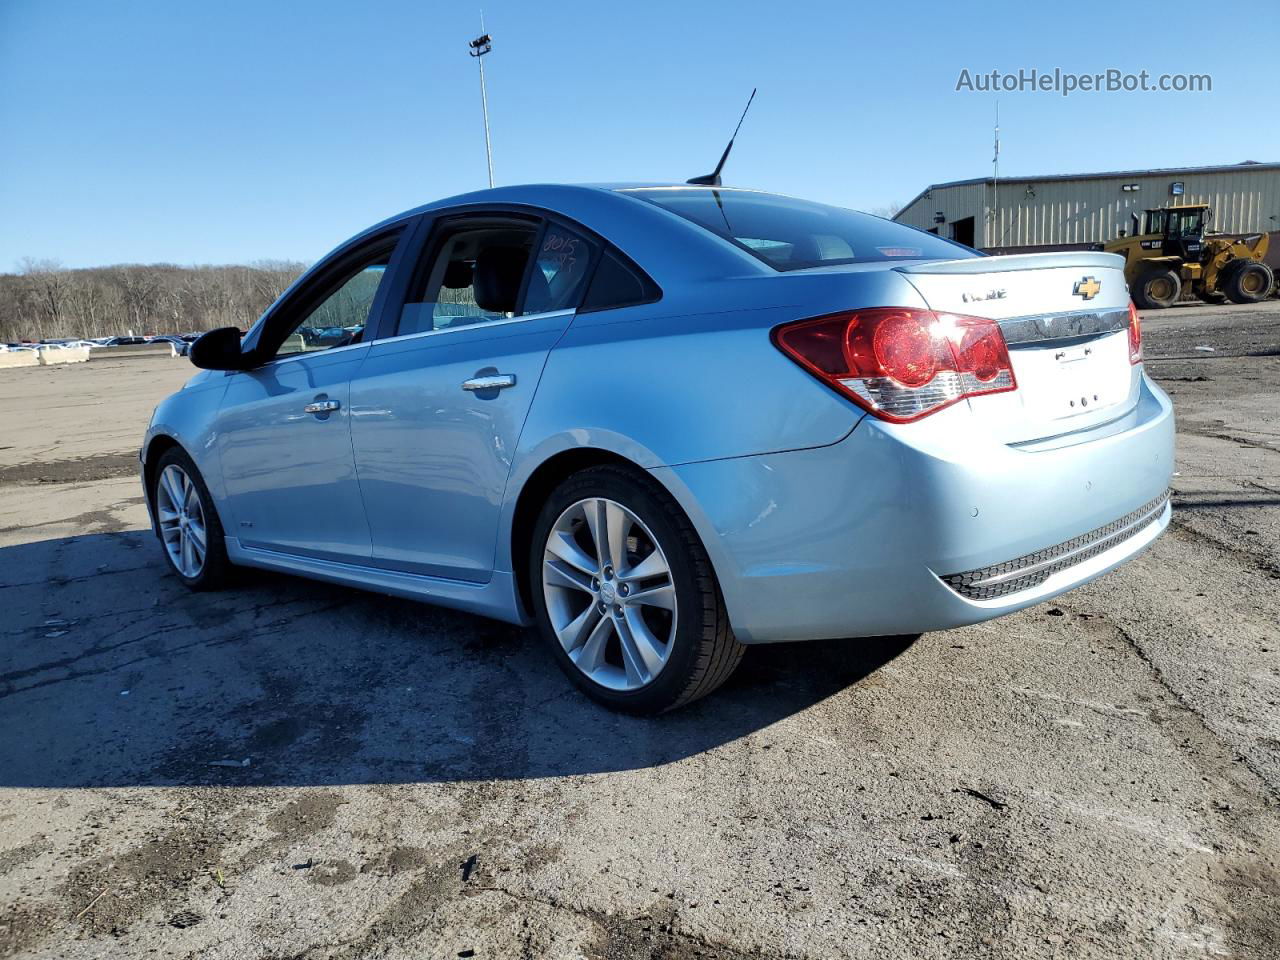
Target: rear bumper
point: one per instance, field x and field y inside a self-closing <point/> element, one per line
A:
<point x="859" y="538"/>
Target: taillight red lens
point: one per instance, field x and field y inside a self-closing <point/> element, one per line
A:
<point x="901" y="364"/>
<point x="983" y="353"/>
<point x="1135" y="335"/>
<point x="905" y="351"/>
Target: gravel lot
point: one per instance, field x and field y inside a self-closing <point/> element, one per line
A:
<point x="1096" y="777"/>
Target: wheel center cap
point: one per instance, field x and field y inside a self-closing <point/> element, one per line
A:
<point x="607" y="592"/>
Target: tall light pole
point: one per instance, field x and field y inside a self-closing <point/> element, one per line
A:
<point x="479" y="47"/>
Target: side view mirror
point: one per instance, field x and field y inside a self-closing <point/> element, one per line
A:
<point x="1122" y="232"/>
<point x="219" y="350"/>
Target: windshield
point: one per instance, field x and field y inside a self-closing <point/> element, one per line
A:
<point x="790" y="234"/>
<point x="1186" y="222"/>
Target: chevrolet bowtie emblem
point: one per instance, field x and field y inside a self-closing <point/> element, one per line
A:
<point x="1086" y="287"/>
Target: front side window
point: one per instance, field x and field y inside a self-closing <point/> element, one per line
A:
<point x="340" y="318"/>
<point x="473" y="275"/>
<point x="790" y="234"/>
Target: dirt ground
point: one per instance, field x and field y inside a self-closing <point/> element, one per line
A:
<point x="297" y="770"/>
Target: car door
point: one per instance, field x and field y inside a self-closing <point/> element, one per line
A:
<point x="438" y="405"/>
<point x="284" y="427"/>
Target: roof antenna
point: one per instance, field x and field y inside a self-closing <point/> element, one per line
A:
<point x="713" y="179"/>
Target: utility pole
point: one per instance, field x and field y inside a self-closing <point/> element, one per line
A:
<point x="479" y="47"/>
<point x="995" y="184"/>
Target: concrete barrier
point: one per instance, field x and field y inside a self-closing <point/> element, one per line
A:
<point x="53" y="355"/>
<point x="19" y="358"/>
<point x="294" y="343"/>
<point x="136" y="350"/>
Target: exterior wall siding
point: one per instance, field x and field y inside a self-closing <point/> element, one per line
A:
<point x="1093" y="210"/>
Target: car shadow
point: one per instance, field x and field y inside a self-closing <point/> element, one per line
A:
<point x="113" y="674"/>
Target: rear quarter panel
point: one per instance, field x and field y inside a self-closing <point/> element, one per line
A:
<point x="694" y="377"/>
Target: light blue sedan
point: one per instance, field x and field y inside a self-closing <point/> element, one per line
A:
<point x="664" y="422"/>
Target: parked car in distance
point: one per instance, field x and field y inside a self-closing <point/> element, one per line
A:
<point x="123" y="341"/>
<point x="181" y="344"/>
<point x="661" y="423"/>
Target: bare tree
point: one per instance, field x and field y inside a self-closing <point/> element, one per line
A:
<point x="88" y="305"/>
<point x="271" y="278"/>
<point x="886" y="210"/>
<point x="43" y="300"/>
<point x="139" y="286"/>
<point x="48" y="286"/>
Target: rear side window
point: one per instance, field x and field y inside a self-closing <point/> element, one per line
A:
<point x="790" y="234"/>
<point x="617" y="284"/>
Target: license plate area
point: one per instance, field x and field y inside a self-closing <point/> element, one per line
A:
<point x="1079" y="385"/>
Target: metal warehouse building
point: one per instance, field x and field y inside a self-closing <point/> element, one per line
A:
<point x="1077" y="210"/>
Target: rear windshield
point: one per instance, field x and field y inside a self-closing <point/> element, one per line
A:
<point x="790" y="234"/>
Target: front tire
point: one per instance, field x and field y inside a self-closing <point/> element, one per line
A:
<point x="1249" y="282"/>
<point x="187" y="523"/>
<point x="624" y="593"/>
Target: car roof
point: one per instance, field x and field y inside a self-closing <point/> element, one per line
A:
<point x="546" y="195"/>
<point x="644" y="231"/>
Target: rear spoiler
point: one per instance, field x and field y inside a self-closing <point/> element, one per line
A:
<point x="1084" y="259"/>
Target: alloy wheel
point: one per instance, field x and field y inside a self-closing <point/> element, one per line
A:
<point x="182" y="522"/>
<point x="609" y="594"/>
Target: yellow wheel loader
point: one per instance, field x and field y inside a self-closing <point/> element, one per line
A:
<point x="1171" y="249"/>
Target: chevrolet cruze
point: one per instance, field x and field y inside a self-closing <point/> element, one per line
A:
<point x="664" y="422"/>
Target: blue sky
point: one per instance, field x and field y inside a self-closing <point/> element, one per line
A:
<point x="236" y="131"/>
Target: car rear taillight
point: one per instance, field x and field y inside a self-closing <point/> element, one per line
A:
<point x="1135" y="335"/>
<point x="901" y="364"/>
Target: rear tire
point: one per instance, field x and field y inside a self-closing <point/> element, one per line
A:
<point x="1157" y="288"/>
<point x="639" y="625"/>
<point x="187" y="522"/>
<point x="1249" y="282"/>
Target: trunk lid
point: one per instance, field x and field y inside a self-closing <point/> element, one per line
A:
<point x="1065" y="320"/>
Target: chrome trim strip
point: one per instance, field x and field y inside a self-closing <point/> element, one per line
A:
<point x="1068" y="325"/>
<point x="473" y="326"/>
<point x="410" y="336"/>
<point x="1021" y="573"/>
<point x="1067" y="558"/>
<point x="328" y="351"/>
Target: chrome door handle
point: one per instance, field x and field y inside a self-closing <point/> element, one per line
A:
<point x="322" y="406"/>
<point x="494" y="381"/>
